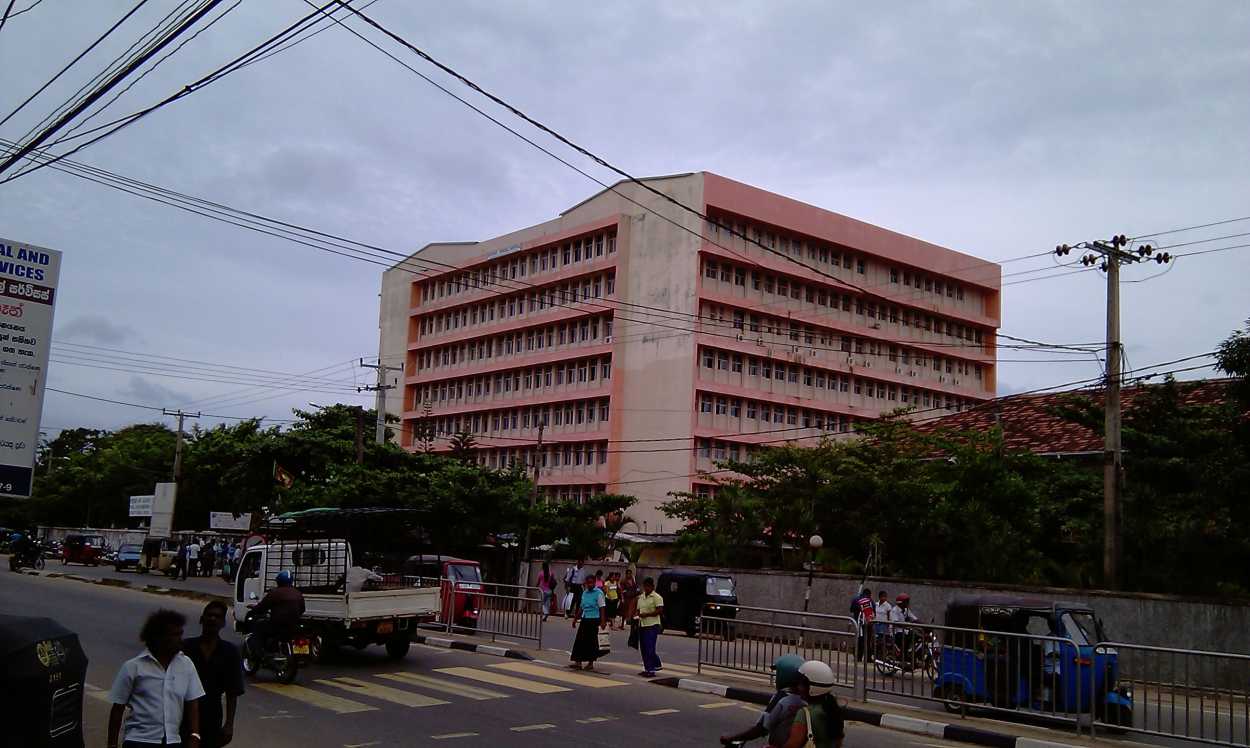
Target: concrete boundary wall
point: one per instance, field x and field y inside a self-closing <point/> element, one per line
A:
<point x="1140" y="618"/>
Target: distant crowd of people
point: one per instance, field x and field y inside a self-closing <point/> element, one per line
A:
<point x="877" y="621"/>
<point x="204" y="559"/>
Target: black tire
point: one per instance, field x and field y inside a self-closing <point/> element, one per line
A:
<point x="397" y="647"/>
<point x="39" y="564"/>
<point x="250" y="665"/>
<point x="13" y="564"/>
<point x="286" y="674"/>
<point x="954" y="699"/>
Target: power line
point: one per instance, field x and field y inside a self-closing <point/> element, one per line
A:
<point x="123" y="122"/>
<point x="71" y="63"/>
<point x="105" y="87"/>
<point x="1190" y="228"/>
<point x="5" y="18"/>
<point x="252" y="218"/>
<point x="207" y="365"/>
<point x="27" y="9"/>
<point x="145" y="73"/>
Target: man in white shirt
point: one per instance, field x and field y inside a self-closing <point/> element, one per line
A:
<point x="193" y="559"/>
<point x="882" y="625"/>
<point x="159" y="685"/>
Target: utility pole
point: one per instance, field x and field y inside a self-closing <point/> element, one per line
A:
<point x="381" y="387"/>
<point x="537" y="466"/>
<point x="1109" y="256"/>
<point x="178" y="443"/>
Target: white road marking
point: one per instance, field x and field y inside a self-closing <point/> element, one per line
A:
<point x="530" y="728"/>
<point x="657" y="712"/>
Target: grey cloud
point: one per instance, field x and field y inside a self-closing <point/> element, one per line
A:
<point x="96" y="328"/>
<point x="147" y="392"/>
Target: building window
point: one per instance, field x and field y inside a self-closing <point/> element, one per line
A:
<point x="735" y="408"/>
<point x="751" y="409"/>
<point x="709" y="269"/>
<point x="705" y="404"/>
<point x="737" y="363"/>
<point x="709" y="359"/>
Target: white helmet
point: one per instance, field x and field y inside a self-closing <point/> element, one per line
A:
<point x="819" y="675"/>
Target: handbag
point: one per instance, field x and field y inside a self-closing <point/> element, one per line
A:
<point x="605" y="642"/>
<point x="634" y="634"/>
<point x="807" y="719"/>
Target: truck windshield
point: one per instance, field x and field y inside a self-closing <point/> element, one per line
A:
<point x="720" y="586"/>
<point x="464" y="573"/>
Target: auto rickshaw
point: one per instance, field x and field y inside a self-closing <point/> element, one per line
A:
<point x="1029" y="654"/>
<point x="462" y="607"/>
<point x="687" y="594"/>
<point x="159" y="555"/>
<point x="82" y="549"/>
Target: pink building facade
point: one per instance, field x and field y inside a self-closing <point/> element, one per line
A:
<point x="648" y="344"/>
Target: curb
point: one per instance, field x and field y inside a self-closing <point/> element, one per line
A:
<point x="944" y="730"/>
<point x="151" y="589"/>
<point x="463" y="646"/>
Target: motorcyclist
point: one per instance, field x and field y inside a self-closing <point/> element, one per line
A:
<point x="277" y="615"/>
<point x="23" y="548"/>
<point x="787" y="669"/>
<point x="904" y="636"/>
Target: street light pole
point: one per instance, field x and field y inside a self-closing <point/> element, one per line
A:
<point x="813" y="543"/>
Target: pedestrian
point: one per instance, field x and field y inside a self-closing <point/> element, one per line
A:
<point x="881" y="616"/>
<point x="160" y="686"/>
<point x="629" y="598"/>
<point x="612" y="591"/>
<point x="863" y="611"/>
<point x="650" y="613"/>
<point x="574" y="580"/>
<point x="786" y="668"/>
<point x="220" y="669"/>
<point x="207" y="559"/>
<point x="180" y="562"/>
<point x="546" y="586"/>
<point x="589" y="620"/>
<point x="193" y="559"/>
<point x="599" y="579"/>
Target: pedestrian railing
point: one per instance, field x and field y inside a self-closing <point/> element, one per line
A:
<point x="1178" y="693"/>
<point x="1107" y="687"/>
<point x="749" y="639"/>
<point x="506" y="611"/>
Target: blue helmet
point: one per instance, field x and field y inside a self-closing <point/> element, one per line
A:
<point x="283" y="579"/>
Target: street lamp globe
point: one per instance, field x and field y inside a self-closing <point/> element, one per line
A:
<point x="815" y="542"/>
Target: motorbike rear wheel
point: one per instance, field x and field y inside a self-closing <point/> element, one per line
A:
<point x="39" y="564"/>
<point x="286" y="673"/>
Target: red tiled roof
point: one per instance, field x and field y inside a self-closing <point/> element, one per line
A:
<point x="1030" y="423"/>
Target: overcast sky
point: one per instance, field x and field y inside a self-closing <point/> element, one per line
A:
<point x="998" y="129"/>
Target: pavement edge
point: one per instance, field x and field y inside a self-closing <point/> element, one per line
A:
<point x="943" y="730"/>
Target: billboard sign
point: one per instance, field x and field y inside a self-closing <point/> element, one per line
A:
<point x="162" y="525"/>
<point x="227" y="521"/>
<point x="141" y="506"/>
<point x="28" y="280"/>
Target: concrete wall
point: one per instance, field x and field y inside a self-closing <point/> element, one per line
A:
<point x="1138" y="618"/>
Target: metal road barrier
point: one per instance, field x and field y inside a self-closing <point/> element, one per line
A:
<point x="501" y="610"/>
<point x="1178" y="693"/>
<point x="972" y="669"/>
<point x="748" y="639"/>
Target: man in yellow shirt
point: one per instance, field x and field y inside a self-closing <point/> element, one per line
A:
<point x="650" y="608"/>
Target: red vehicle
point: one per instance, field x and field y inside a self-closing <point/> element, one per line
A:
<point x="82" y="549"/>
<point x="460" y="606"/>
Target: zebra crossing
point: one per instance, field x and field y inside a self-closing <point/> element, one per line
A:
<point x="440" y="686"/>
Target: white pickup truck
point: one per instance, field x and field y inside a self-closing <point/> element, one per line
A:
<point x="343" y="603"/>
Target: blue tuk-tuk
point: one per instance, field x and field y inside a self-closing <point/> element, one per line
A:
<point x="1031" y="654"/>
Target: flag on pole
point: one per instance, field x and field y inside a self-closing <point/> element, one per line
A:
<point x="282" y="476"/>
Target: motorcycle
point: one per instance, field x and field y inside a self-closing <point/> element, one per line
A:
<point x="32" y="557"/>
<point x="284" y="656"/>
<point x="920" y="653"/>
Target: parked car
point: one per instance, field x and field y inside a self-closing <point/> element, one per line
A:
<point x="461" y="607"/>
<point x="82" y="549"/>
<point x="128" y="556"/>
<point x="687" y="594"/>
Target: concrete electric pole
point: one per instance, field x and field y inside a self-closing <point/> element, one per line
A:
<point x="178" y="443"/>
<point x="1113" y="255"/>
<point x="381" y="388"/>
<point x="523" y="577"/>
